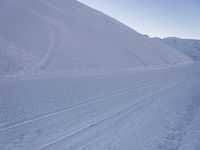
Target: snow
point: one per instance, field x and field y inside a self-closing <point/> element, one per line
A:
<point x="13" y="58"/>
<point x="73" y="78"/>
<point x="67" y="35"/>
<point x="143" y="109"/>
<point x="189" y="47"/>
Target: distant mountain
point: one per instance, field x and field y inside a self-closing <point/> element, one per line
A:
<point x="190" y="47"/>
<point x="67" y="35"/>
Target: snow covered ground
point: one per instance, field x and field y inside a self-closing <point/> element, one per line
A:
<point x="144" y="109"/>
<point x="72" y="78"/>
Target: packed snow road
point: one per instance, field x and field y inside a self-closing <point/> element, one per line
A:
<point x="144" y="109"/>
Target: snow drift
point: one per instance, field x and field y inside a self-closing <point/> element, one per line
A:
<point x="65" y="35"/>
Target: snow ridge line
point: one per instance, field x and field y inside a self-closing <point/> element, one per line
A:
<point x="93" y="100"/>
<point x="109" y="115"/>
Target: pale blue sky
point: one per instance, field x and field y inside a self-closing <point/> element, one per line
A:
<point x="161" y="18"/>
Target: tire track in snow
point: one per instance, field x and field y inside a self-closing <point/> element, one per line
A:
<point x="91" y="101"/>
<point x="108" y="115"/>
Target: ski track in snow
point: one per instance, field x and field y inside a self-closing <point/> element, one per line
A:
<point x="90" y="104"/>
<point x="104" y="101"/>
<point x="95" y="100"/>
<point x="109" y="116"/>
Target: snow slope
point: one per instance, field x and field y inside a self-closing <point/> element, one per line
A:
<point x="67" y="35"/>
<point x="189" y="47"/>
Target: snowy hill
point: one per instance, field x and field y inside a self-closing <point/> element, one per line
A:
<point x="189" y="47"/>
<point x="107" y="103"/>
<point x="67" y="35"/>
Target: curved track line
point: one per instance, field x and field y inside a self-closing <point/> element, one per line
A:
<point x="55" y="38"/>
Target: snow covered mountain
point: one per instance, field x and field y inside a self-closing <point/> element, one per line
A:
<point x="189" y="47"/>
<point x="54" y="35"/>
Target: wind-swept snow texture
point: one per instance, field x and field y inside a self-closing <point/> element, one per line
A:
<point x="189" y="47"/>
<point x="67" y="35"/>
